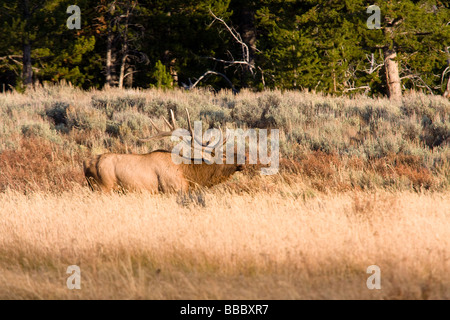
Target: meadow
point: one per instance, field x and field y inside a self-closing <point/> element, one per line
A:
<point x="362" y="181"/>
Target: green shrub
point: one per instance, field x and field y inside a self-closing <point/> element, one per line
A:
<point x="119" y="104"/>
<point x="159" y="107"/>
<point x="161" y="77"/>
<point x="40" y="129"/>
<point x="85" y="118"/>
<point x="435" y="134"/>
<point x="57" y="113"/>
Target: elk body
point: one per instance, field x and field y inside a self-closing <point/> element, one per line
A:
<point x="155" y="171"/>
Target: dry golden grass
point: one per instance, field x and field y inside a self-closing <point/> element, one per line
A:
<point x="362" y="181"/>
<point x="238" y="246"/>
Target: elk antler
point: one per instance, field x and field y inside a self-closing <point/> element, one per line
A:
<point x="204" y="146"/>
<point x="162" y="134"/>
<point x="173" y="126"/>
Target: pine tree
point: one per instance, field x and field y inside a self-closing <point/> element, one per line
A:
<point x="413" y="38"/>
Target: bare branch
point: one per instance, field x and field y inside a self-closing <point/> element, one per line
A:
<point x="244" y="47"/>
<point x="374" y="66"/>
<point x="130" y="73"/>
<point x="193" y="85"/>
<point x="444" y="73"/>
<point x="235" y="35"/>
<point x="234" y="62"/>
<point x="12" y="56"/>
<point x="447" y="89"/>
<point x="244" y="62"/>
<point x="367" y="88"/>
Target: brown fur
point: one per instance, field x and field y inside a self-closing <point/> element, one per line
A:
<point x="154" y="172"/>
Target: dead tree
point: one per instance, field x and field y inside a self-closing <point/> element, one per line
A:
<point x="109" y="45"/>
<point x="246" y="60"/>
<point x="447" y="88"/>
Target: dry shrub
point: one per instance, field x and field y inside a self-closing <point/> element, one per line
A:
<point x="81" y="137"/>
<point x="323" y="169"/>
<point x="401" y="165"/>
<point x="288" y="166"/>
<point x="319" y="164"/>
<point x="356" y="163"/>
<point x="409" y="160"/>
<point x="419" y="177"/>
<point x="38" y="165"/>
<point x="319" y="167"/>
<point x="85" y="118"/>
<point x="86" y="138"/>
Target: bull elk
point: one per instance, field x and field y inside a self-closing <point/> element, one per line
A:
<point x="156" y="171"/>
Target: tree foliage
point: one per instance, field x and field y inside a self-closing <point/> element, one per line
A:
<point x="322" y="45"/>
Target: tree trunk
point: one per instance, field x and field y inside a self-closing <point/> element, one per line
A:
<point x="123" y="63"/>
<point x="169" y="61"/>
<point x="124" y="51"/>
<point x="27" y="71"/>
<point x="109" y="60"/>
<point x="173" y="71"/>
<point x="109" y="46"/>
<point x="447" y="91"/>
<point x="247" y="26"/>
<point x="392" y="74"/>
<point x="248" y="33"/>
<point x="393" y="82"/>
<point x="122" y="69"/>
<point x="129" y="76"/>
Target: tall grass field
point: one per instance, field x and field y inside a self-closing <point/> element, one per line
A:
<point x="362" y="182"/>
